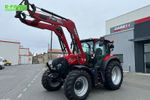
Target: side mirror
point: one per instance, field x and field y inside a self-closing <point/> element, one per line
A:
<point x="111" y="46"/>
<point x="101" y="42"/>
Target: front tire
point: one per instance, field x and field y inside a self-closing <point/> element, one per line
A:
<point x="77" y="85"/>
<point x="113" y="75"/>
<point x="48" y="84"/>
<point x="1" y="67"/>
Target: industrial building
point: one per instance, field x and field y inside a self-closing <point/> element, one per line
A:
<point x="10" y="50"/>
<point x="131" y="33"/>
<point x="14" y="53"/>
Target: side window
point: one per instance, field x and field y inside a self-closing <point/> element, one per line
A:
<point x="85" y="47"/>
<point x="101" y="47"/>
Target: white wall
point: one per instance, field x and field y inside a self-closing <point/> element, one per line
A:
<point x="24" y="56"/>
<point x="30" y="59"/>
<point x="24" y="51"/>
<point x="23" y="59"/>
<point x="10" y="51"/>
<point x="128" y="17"/>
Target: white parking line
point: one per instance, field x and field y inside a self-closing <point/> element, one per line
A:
<point x="29" y="85"/>
<point x="25" y="89"/>
<point x="36" y="76"/>
<point x="20" y="95"/>
<point x="32" y="81"/>
<point x="4" y="99"/>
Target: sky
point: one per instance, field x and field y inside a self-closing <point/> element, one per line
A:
<point x="88" y="15"/>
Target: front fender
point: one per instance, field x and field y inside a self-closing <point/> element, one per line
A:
<point x="80" y="67"/>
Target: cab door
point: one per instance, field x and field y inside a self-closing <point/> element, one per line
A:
<point x="100" y="53"/>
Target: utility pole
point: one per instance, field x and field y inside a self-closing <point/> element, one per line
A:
<point x="51" y="42"/>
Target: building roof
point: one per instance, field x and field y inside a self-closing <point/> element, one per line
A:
<point x="30" y="54"/>
<point x="7" y="41"/>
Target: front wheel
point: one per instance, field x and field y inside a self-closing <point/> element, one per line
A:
<point x="77" y="85"/>
<point x="1" y="67"/>
<point x="113" y="75"/>
<point x="50" y="84"/>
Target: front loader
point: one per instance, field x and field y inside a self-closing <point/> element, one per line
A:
<point x="89" y="64"/>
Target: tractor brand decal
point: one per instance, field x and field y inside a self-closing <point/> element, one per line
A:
<point x="54" y="19"/>
<point x="15" y="7"/>
<point x="122" y="27"/>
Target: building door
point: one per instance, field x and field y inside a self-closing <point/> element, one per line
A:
<point x="147" y="57"/>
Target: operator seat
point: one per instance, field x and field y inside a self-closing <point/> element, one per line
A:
<point x="98" y="57"/>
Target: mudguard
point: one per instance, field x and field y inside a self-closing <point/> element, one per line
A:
<point x="105" y="63"/>
<point x="80" y="67"/>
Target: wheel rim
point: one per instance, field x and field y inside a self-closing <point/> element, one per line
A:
<point x="81" y="86"/>
<point x="116" y="75"/>
<point x="53" y="83"/>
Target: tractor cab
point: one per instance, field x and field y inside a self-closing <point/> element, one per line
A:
<point x="96" y="50"/>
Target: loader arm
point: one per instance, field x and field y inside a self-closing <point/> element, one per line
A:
<point x="54" y="23"/>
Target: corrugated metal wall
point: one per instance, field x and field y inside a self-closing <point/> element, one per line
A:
<point x="124" y="46"/>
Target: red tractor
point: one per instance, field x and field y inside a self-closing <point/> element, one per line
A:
<point x="89" y="63"/>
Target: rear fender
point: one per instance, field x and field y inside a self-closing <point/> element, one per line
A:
<point x="106" y="62"/>
<point x="104" y="65"/>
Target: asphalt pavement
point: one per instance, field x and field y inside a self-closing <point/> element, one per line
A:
<point x="23" y="82"/>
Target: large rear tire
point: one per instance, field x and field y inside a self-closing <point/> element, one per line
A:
<point x="113" y="75"/>
<point x="77" y="85"/>
<point x="48" y="84"/>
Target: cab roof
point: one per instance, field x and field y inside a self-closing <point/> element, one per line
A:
<point x="93" y="39"/>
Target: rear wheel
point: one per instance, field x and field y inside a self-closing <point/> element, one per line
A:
<point x="113" y="75"/>
<point x="77" y="85"/>
<point x="49" y="83"/>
